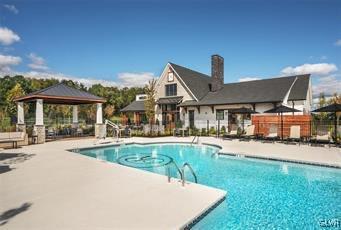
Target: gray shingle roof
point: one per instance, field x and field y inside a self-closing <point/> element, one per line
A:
<point x="197" y="82"/>
<point x="266" y="90"/>
<point x="135" y="106"/>
<point x="61" y="91"/>
<point x="169" y="100"/>
<point x="300" y="88"/>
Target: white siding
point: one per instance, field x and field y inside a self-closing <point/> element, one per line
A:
<point x="160" y="89"/>
<point x="181" y="89"/>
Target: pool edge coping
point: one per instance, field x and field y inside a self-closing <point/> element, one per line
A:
<point x="220" y="152"/>
<point x="302" y="162"/>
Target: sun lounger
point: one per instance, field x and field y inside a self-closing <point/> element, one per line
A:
<point x="321" y="138"/>
<point x="272" y="136"/>
<point x="295" y="134"/>
<point x="232" y="134"/>
<point x="250" y="133"/>
<point x="12" y="137"/>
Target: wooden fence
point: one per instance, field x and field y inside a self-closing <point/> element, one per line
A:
<point x="264" y="122"/>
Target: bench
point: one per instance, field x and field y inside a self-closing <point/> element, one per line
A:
<point x="12" y="137"/>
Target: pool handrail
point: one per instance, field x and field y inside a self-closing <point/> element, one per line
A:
<point x="177" y="169"/>
<point x="196" y="136"/>
<point x="183" y="173"/>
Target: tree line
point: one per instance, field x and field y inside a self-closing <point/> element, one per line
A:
<point x="16" y="86"/>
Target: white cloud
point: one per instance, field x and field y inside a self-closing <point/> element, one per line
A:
<point x="338" y="42"/>
<point x="134" y="79"/>
<point x="248" y="79"/>
<point x="124" y="79"/>
<point x="11" y="8"/>
<point x="327" y="85"/>
<point x="6" y="61"/>
<point x="7" y="36"/>
<point x="319" y="68"/>
<point x="37" y="63"/>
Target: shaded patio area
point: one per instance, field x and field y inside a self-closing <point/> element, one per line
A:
<point x="59" y="94"/>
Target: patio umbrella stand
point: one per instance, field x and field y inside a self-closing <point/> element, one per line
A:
<point x="280" y="110"/>
<point x="243" y="111"/>
<point x="333" y="108"/>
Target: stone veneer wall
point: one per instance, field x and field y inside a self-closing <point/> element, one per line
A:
<point x="40" y="132"/>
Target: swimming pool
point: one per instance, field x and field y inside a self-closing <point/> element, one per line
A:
<point x="261" y="193"/>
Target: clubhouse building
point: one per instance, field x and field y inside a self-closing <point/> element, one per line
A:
<point x="196" y="99"/>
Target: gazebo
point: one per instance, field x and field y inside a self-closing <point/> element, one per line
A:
<point x="58" y="94"/>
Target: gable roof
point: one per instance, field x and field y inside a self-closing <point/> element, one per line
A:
<point x="62" y="94"/>
<point x="135" y="106"/>
<point x="197" y="82"/>
<point x="258" y="91"/>
<point x="300" y="88"/>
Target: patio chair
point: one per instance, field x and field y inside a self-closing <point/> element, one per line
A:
<point x="51" y="133"/>
<point x="272" y="136"/>
<point x="295" y="134"/>
<point x="321" y="137"/>
<point x="127" y="132"/>
<point x="250" y="133"/>
<point x="79" y="132"/>
<point x="177" y="132"/>
<point x="232" y="134"/>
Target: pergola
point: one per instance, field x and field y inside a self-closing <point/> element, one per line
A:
<point x="58" y="94"/>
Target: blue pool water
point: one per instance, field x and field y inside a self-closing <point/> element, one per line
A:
<point x="261" y="194"/>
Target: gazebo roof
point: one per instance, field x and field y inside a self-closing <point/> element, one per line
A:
<point x="62" y="94"/>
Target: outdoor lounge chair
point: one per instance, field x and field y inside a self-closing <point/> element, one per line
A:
<point x="249" y="133"/>
<point x="295" y="134"/>
<point x="321" y="138"/>
<point x="12" y="137"/>
<point x="231" y="134"/>
<point x="272" y="136"/>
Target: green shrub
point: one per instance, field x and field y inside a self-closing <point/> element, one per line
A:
<point x="222" y="130"/>
<point x="212" y="130"/>
<point x="203" y="132"/>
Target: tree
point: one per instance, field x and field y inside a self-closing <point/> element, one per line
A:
<point x="109" y="111"/>
<point x="150" y="103"/>
<point x="15" y="92"/>
<point x="322" y="102"/>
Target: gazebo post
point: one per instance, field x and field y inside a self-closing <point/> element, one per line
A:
<point x="75" y="116"/>
<point x="100" y="129"/>
<point x="39" y="127"/>
<point x="21" y="127"/>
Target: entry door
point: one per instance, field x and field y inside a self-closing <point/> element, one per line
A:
<point x="191" y="118"/>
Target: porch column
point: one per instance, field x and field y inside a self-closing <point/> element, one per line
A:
<point x="39" y="112"/>
<point x="75" y="116"/>
<point x="99" y="114"/>
<point x="21" y="127"/>
<point x="39" y="128"/>
<point x="100" y="128"/>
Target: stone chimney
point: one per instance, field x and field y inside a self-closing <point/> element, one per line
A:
<point x="217" y="72"/>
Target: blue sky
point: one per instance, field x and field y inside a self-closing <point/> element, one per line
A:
<point x="128" y="42"/>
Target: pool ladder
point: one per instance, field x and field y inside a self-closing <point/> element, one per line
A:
<point x="181" y="172"/>
<point x="194" y="140"/>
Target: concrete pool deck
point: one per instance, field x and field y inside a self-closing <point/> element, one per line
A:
<point x="47" y="187"/>
<point x="50" y="188"/>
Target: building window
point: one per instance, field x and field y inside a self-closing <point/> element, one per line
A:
<point x="170" y="76"/>
<point x="171" y="90"/>
<point x="220" y="114"/>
